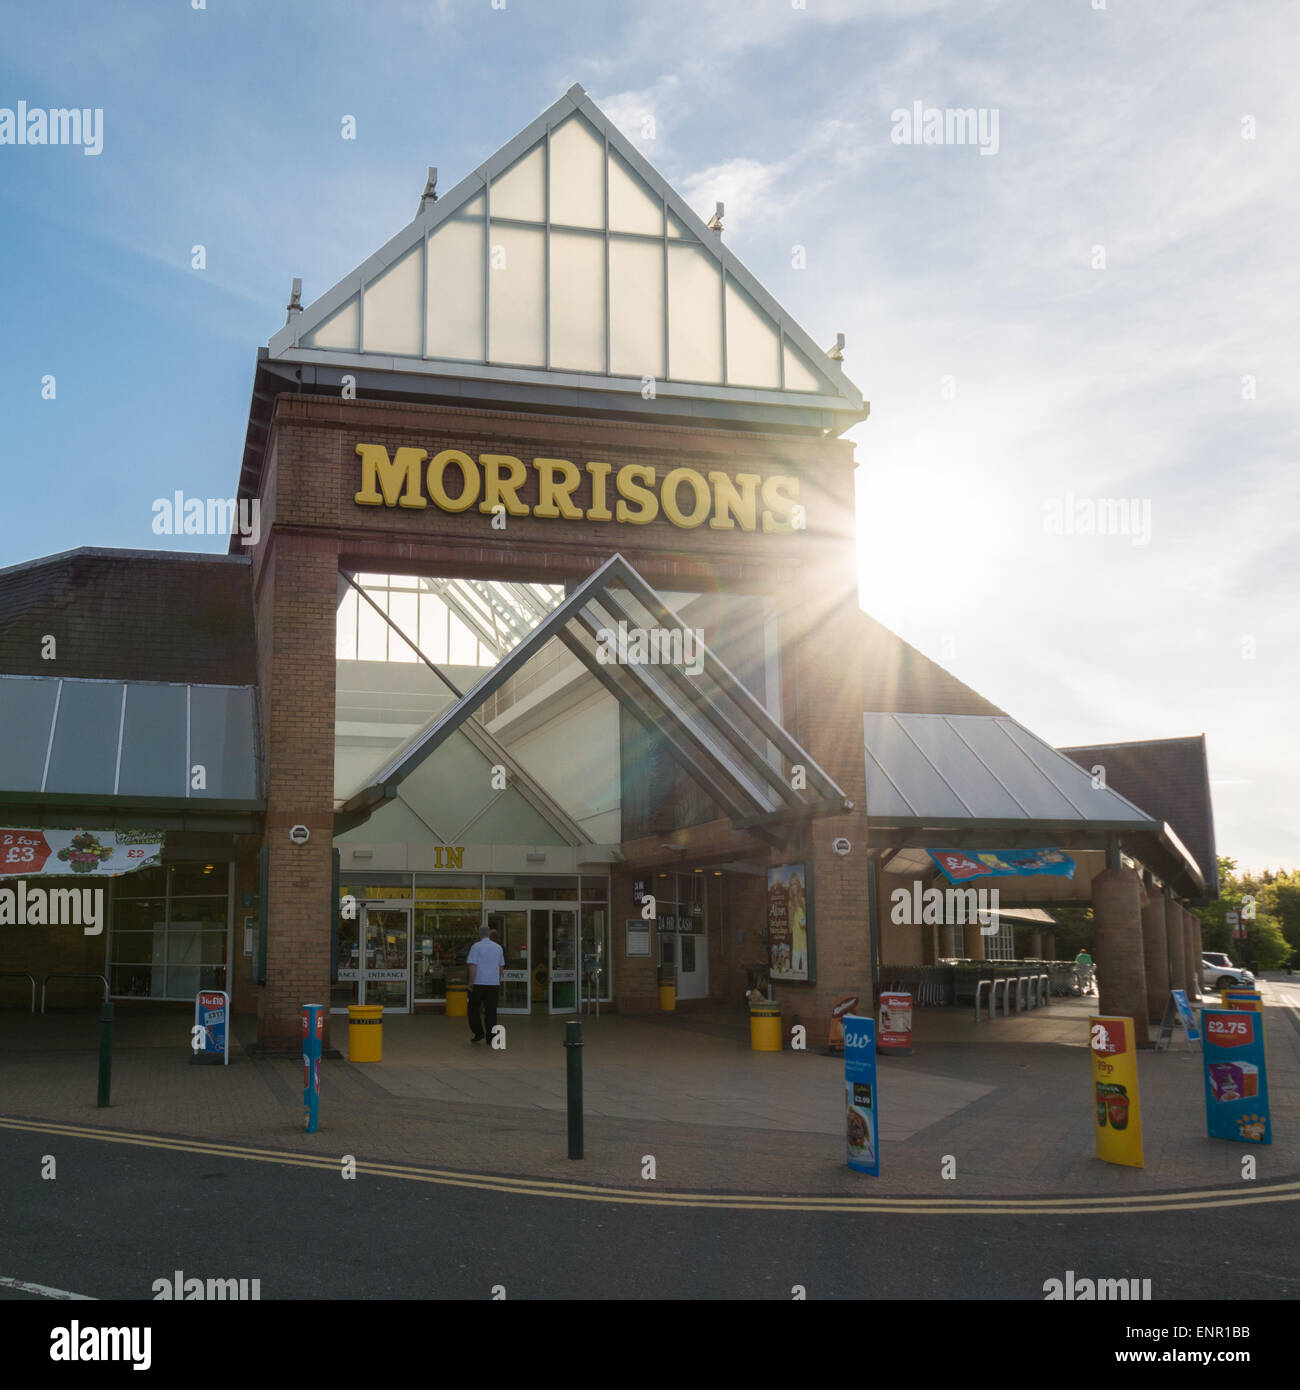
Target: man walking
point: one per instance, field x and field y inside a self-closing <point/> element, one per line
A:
<point x="1083" y="967"/>
<point x="486" y="959"/>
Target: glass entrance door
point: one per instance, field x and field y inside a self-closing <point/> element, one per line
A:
<point x="563" y="943"/>
<point x="512" y="932"/>
<point x="385" y="967"/>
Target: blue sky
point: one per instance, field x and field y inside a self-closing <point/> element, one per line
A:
<point x="1007" y="369"/>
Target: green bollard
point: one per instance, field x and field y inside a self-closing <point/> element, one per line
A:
<point x="105" y="1052"/>
<point x="573" y="1041"/>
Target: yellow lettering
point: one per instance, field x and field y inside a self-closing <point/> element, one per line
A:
<point x="777" y="503"/>
<point x="668" y="497"/>
<point x="454" y="855"/>
<point x="728" y="501"/>
<point x="469" y="481"/>
<point x="630" y="489"/>
<point x="504" y="490"/>
<point x="598" y="511"/>
<point x="390" y="474"/>
<point x="552" y="490"/>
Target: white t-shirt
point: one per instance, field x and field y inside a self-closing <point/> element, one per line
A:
<point x="489" y="957"/>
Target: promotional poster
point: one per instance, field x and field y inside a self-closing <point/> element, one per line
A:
<point x="789" y="923"/>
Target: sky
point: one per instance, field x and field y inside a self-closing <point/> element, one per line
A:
<point x="1087" y="316"/>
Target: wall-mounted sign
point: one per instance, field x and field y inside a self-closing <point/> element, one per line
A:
<point x="895" y="1024"/>
<point x="958" y="865"/>
<point x="789" y="923"/>
<point x="1115" y="1090"/>
<point x="104" y="853"/>
<point x="638" y="937"/>
<point x="299" y="834"/>
<point x="1236" y="1076"/>
<point x="862" y="1113"/>
<point x="635" y="493"/>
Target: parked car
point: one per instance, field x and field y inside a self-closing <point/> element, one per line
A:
<point x="1225" y="976"/>
<point x="1217" y="958"/>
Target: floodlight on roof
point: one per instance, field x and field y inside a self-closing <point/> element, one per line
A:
<point x="294" y="305"/>
<point x="430" y="194"/>
<point x="836" y="353"/>
<point x="714" y="223"/>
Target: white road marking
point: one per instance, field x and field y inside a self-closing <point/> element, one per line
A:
<point x="44" y="1290"/>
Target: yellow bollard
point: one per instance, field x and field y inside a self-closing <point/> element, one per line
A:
<point x="668" y="999"/>
<point x="457" y="1001"/>
<point x="765" y="1027"/>
<point x="365" y="1032"/>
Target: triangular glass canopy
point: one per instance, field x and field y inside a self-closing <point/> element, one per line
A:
<point x="567" y="254"/>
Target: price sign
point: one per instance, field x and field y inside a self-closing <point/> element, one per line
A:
<point x="1116" y="1108"/>
<point x="1236" y="1077"/>
<point x="23" y="851"/>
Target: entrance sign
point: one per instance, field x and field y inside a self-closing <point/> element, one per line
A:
<point x="1177" y="1012"/>
<point x="1115" y="1090"/>
<point x="1236" y="1077"/>
<point x="789" y="923"/>
<point x="313" y="1039"/>
<point x="636" y="493"/>
<point x="862" y="1114"/>
<point x="103" y="853"/>
<point x="212" y="1026"/>
<point x="896" y="1024"/>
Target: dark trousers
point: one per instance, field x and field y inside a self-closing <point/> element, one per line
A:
<point x="483" y="1000"/>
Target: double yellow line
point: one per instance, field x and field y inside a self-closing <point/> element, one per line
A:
<point x="1246" y="1195"/>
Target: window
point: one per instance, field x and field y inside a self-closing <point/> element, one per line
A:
<point x="170" y="931"/>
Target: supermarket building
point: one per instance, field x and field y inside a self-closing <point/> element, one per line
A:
<point x="551" y="625"/>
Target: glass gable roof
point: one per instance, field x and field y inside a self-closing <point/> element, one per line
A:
<point x="566" y="252"/>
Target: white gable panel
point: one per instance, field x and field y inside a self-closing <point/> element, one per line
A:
<point x="798" y="374"/>
<point x="753" y="343"/>
<point x="521" y="191"/>
<point x="517" y="296"/>
<point x="578" y="301"/>
<point x="454" y="322"/>
<point x="577" y="175"/>
<point x="632" y="206"/>
<point x="337" y="331"/>
<point x="636" y="307"/>
<point x="391" y="321"/>
<point x="694" y="314"/>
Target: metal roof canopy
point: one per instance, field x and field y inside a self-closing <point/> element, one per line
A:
<point x="717" y="730"/>
<point x="966" y="776"/>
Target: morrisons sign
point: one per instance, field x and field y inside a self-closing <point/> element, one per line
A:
<point x="635" y="493"/>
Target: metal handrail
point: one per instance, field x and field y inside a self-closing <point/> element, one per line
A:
<point x="21" y="975"/>
<point x="999" y="984"/>
<point x="59" y="975"/>
<point x="979" y="986"/>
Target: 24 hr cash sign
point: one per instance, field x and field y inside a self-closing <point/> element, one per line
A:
<point x="685" y="497"/>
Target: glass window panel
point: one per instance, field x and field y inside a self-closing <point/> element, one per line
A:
<point x="577" y="175"/>
<point x="345" y="646"/>
<point x="464" y="645"/>
<point x="694" y="315"/>
<point x="372" y="632"/>
<point x="753" y="344"/>
<point x="132" y="980"/>
<point x="636" y="305"/>
<point x="402" y="609"/>
<point x="221" y="739"/>
<point x="433" y="627"/>
<point x="153" y="742"/>
<point x="143" y="883"/>
<point x="26" y="709"/>
<point x="368" y="581"/>
<point x="595" y="889"/>
<point x="578" y="301"/>
<point x="340" y="330"/>
<point x="517" y="290"/>
<point x="403" y="581"/>
<point x="201" y="880"/>
<point x="133" y="947"/>
<point x="597" y="966"/>
<point x="448" y="888"/>
<point x="443" y="937"/>
<point x="392" y="317"/>
<point x="521" y="192"/>
<point x="799" y="376"/>
<point x="84" y="757"/>
<point x="632" y="206"/>
<point x="454" y="319"/>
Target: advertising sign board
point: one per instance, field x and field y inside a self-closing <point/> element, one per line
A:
<point x="862" y="1112"/>
<point x="1236" y="1077"/>
<point x="1115" y="1090"/>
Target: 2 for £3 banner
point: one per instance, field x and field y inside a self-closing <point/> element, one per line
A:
<point x="1115" y="1090"/>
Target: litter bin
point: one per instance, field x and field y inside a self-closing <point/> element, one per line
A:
<point x="668" y="989"/>
<point x="365" y="1032"/>
<point x="457" y="1001"/>
<point x="765" y="1026"/>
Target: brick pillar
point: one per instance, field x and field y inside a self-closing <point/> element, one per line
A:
<point x="297" y="604"/>
<point x="1200" y="952"/>
<point x="1177" y="942"/>
<point x="1191" y="954"/>
<point x="1117" y="947"/>
<point x="1036" y="945"/>
<point x="1155" y="953"/>
<point x="1049" y="943"/>
<point x="974" y="941"/>
<point x="948" y="940"/>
